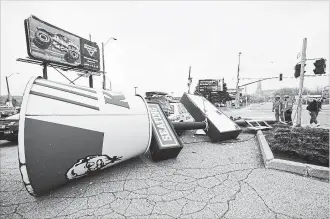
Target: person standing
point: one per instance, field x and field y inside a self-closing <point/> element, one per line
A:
<point x="288" y="105"/>
<point x="278" y="108"/>
<point x="313" y="108"/>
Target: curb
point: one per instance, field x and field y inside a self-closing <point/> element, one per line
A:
<point x="267" y="154"/>
<point x="289" y="166"/>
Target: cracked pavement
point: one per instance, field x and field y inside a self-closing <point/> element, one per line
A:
<point x="207" y="180"/>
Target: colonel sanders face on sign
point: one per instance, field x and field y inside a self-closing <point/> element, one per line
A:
<point x="90" y="164"/>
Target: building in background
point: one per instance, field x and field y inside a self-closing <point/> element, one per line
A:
<point x="215" y="90"/>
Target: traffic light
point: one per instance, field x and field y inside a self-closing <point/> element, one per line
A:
<point x="297" y="69"/>
<point x="319" y="67"/>
<point x="281" y="77"/>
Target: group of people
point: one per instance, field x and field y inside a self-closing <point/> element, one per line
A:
<point x="283" y="109"/>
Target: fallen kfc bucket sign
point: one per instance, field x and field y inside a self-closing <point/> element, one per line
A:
<point x="67" y="132"/>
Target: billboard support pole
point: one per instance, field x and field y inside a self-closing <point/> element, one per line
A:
<point x="44" y="71"/>
<point x="91" y="81"/>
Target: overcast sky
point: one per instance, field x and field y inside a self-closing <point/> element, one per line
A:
<point x="158" y="41"/>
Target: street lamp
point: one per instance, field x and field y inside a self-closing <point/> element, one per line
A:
<point x="109" y="82"/>
<point x="103" y="44"/>
<point x="9" y="96"/>
<point x="135" y="89"/>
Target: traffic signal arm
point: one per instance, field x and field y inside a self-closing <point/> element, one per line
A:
<point x="263" y="79"/>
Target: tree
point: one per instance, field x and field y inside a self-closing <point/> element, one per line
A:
<point x="290" y="91"/>
<point x="316" y="91"/>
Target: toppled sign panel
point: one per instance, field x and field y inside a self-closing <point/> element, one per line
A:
<point x="165" y="144"/>
<point x="48" y="43"/>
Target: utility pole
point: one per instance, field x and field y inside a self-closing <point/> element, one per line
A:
<point x="301" y="81"/>
<point x="10" y="100"/>
<point x="104" y="86"/>
<point x="135" y="89"/>
<point x="237" y="88"/>
<point x="90" y="76"/>
<point x="189" y="80"/>
<point x="9" y="96"/>
<point x="245" y="96"/>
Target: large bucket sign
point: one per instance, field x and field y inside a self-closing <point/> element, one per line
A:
<point x="67" y="132"/>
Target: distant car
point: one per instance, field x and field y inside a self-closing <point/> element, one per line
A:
<point x="9" y="128"/>
<point x="180" y="113"/>
<point x="6" y="111"/>
<point x="161" y="99"/>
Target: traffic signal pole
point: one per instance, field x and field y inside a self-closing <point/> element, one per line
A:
<point x="301" y="81"/>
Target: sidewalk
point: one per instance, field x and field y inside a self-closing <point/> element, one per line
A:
<point x="207" y="180"/>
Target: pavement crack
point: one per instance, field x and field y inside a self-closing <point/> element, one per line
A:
<point x="181" y="211"/>
<point x="16" y="211"/>
<point x="267" y="206"/>
<point x="130" y="202"/>
<point x="234" y="196"/>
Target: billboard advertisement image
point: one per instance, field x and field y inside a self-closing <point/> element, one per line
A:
<point x="49" y="43"/>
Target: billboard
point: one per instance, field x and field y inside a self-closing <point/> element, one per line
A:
<point x="208" y="82"/>
<point x="48" y="43"/>
<point x="208" y="85"/>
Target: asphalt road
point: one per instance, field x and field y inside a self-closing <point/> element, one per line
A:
<point x="207" y="180"/>
<point x="264" y="111"/>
